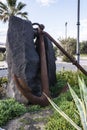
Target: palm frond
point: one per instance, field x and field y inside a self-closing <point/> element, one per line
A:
<point x="20" y="6"/>
<point x="11" y="3"/>
<point x="1" y="10"/>
<point x="25" y="17"/>
<point x="18" y="13"/>
<point x="10" y="8"/>
<point x="1" y="17"/>
<point x="4" y="18"/>
<point x="3" y="6"/>
<point x="24" y="14"/>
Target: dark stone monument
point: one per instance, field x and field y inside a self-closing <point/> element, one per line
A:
<point x="23" y="58"/>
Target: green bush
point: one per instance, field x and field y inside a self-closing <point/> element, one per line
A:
<point x="68" y="44"/>
<point x="3" y="81"/>
<point x="57" y="89"/>
<point x="62" y="78"/>
<point x="66" y="103"/>
<point x="1" y="56"/>
<point x="3" y="84"/>
<point x="33" y="108"/>
<point x="71" y="77"/>
<point x="56" y="121"/>
<point x="83" y="46"/>
<point x="66" y="59"/>
<point x="9" y="109"/>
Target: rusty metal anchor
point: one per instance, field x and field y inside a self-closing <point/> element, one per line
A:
<point x="66" y="54"/>
<point x="22" y="86"/>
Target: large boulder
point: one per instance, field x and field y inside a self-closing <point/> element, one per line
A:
<point x="22" y="57"/>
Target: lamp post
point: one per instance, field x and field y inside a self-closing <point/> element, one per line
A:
<point x="78" y="31"/>
<point x="65" y="30"/>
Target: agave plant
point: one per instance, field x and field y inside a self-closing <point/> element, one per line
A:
<point x="63" y="114"/>
<point x="81" y="104"/>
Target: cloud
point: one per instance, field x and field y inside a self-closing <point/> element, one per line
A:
<point x="46" y="2"/>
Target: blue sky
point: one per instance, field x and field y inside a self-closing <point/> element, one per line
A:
<point x="54" y="14"/>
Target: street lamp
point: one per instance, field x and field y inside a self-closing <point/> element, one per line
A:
<point x="65" y="30"/>
<point x="78" y="30"/>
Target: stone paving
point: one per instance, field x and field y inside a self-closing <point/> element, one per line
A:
<point x="69" y="66"/>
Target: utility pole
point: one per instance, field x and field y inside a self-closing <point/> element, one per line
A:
<point x="65" y="30"/>
<point x="78" y="31"/>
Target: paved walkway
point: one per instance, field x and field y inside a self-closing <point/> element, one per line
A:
<point x="59" y="66"/>
<point x="69" y="66"/>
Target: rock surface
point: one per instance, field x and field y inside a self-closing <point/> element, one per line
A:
<point x="24" y="60"/>
<point x="22" y="57"/>
<point x="30" y="121"/>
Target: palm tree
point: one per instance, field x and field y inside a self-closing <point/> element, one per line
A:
<point x="11" y="8"/>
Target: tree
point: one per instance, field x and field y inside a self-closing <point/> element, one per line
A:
<point x="69" y="45"/>
<point x="83" y="47"/>
<point x="11" y="8"/>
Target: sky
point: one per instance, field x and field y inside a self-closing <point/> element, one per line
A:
<point x="54" y="14"/>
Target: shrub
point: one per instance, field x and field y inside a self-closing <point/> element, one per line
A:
<point x="9" y="109"/>
<point x="2" y="57"/>
<point x="57" y="89"/>
<point x="3" y="81"/>
<point x="66" y="59"/>
<point x="3" y="84"/>
<point x="62" y="78"/>
<point x="71" y="77"/>
<point x="57" y="122"/>
<point x="68" y="107"/>
<point x="83" y="49"/>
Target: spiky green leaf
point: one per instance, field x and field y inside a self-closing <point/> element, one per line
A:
<point x="62" y="113"/>
<point x="80" y="106"/>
